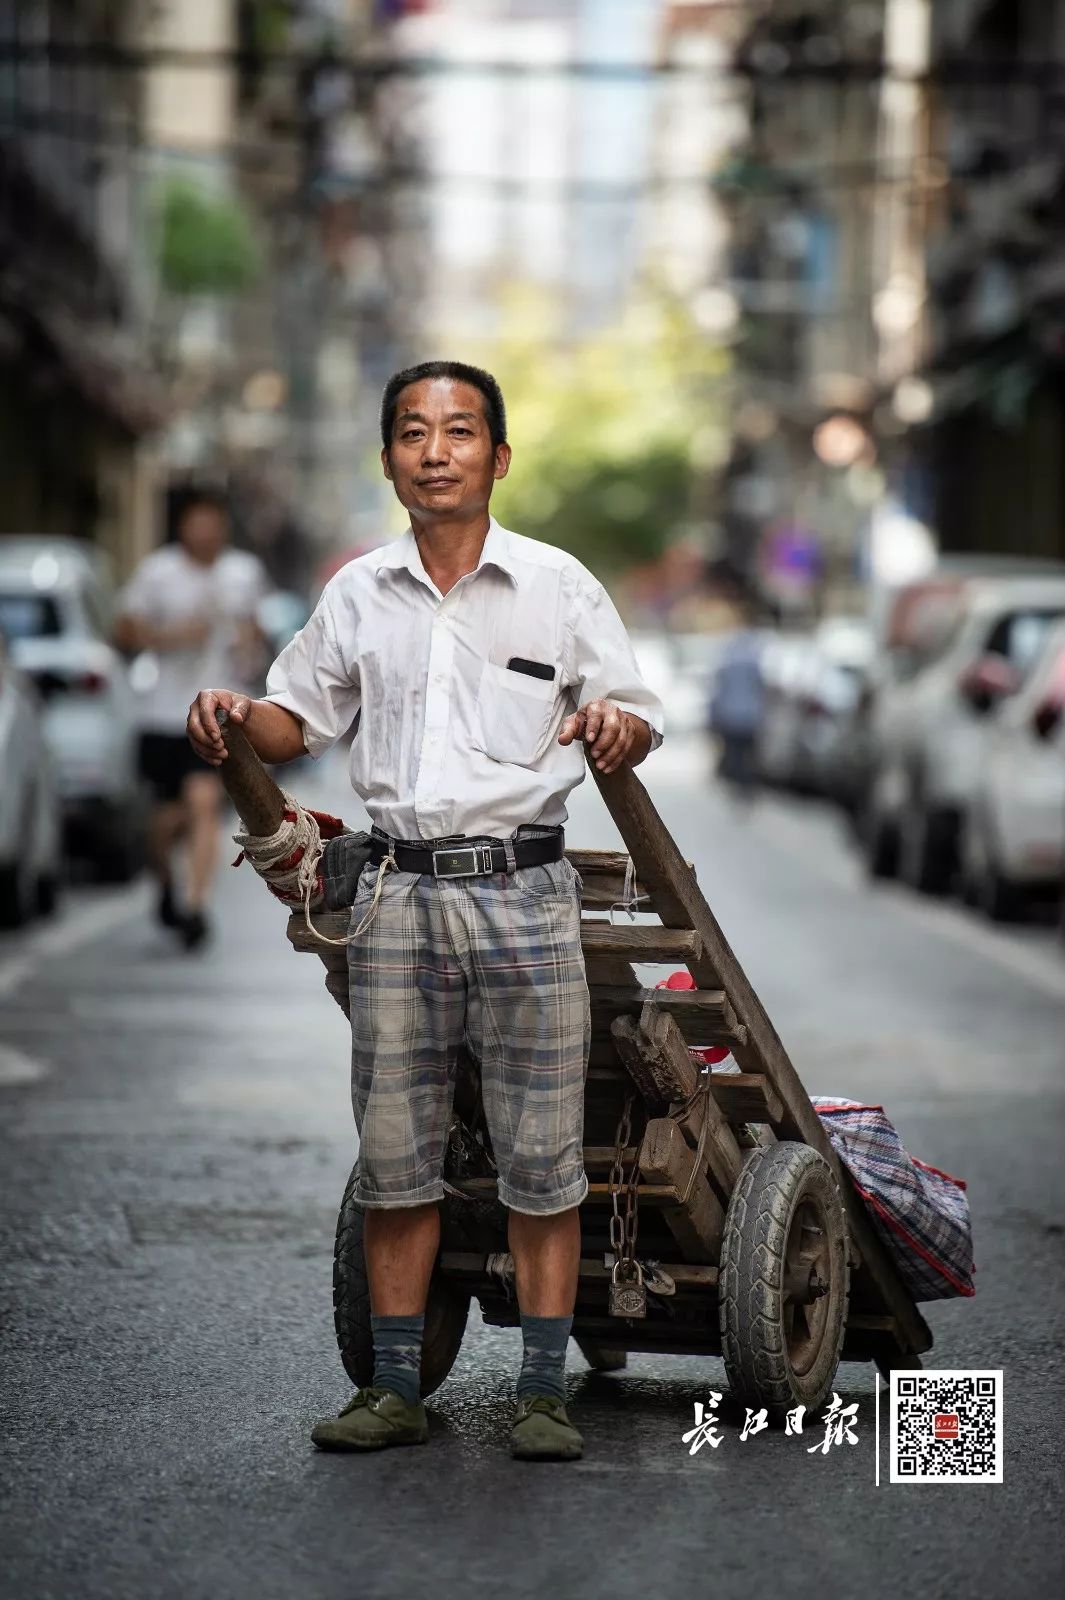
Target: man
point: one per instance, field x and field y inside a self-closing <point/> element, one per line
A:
<point x="193" y="605"/>
<point x="737" y="706"/>
<point x="479" y="661"/>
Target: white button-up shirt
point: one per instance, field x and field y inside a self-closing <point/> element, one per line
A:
<point x="452" y="739"/>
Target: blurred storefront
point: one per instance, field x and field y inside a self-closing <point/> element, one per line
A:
<point x="80" y="402"/>
<point x="896" y="216"/>
<point x="985" y="398"/>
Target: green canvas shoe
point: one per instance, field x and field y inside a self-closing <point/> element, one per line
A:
<point x="543" y="1432"/>
<point x="373" y="1419"/>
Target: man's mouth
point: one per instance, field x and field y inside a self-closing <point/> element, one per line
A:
<point x="436" y="483"/>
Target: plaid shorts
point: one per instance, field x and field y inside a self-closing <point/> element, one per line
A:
<point x="496" y="962"/>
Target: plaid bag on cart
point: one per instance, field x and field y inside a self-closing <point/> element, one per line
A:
<point x="921" y="1214"/>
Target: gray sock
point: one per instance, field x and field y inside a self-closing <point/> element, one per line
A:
<point x="397" y="1355"/>
<point x="543" y="1367"/>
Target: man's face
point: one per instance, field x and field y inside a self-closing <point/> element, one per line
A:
<point x="203" y="533"/>
<point x="441" y="459"/>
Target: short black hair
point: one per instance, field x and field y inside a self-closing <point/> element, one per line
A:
<point x="203" y="495"/>
<point x="460" y="372"/>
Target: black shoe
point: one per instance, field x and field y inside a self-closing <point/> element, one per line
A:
<point x="167" y="910"/>
<point x="195" y="929"/>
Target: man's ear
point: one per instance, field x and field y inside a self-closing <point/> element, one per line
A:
<point x="503" y="459"/>
<point x="385" y="465"/>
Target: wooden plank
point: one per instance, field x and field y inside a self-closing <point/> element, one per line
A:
<point x="257" y="798"/>
<point x="747" y="1097"/>
<point x="722" y="1154"/>
<point x="632" y="942"/>
<point x="639" y="942"/>
<point x="685" y="1274"/>
<point x="334" y="924"/>
<point x="597" y="1156"/>
<point x="680" y="904"/>
<point x="665" y="1158"/>
<point x="653" y="1194"/>
<point x="703" y="1015"/>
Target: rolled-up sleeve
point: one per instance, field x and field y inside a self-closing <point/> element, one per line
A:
<point x="602" y="663"/>
<point x="309" y="678"/>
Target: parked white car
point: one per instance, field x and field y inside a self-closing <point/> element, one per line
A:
<point x="1013" y="839"/>
<point x="30" y="845"/>
<point x="56" y="609"/>
<point x="930" y="721"/>
<point x="813" y="682"/>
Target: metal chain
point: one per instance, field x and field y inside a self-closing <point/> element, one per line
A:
<point x="624" y="1230"/>
<point x="618" y="1228"/>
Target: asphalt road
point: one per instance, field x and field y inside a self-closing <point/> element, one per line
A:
<point x="177" y="1133"/>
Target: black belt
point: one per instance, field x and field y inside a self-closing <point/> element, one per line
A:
<point x="469" y="860"/>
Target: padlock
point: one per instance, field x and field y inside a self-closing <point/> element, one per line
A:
<point x="627" y="1298"/>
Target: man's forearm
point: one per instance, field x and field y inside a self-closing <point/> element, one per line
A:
<point x="274" y="734"/>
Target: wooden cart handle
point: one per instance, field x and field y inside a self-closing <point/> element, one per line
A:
<point x="259" y="802"/>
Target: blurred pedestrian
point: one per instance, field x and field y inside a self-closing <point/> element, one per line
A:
<point x="737" y="706"/>
<point x="480" y="662"/>
<point x="193" y="605"/>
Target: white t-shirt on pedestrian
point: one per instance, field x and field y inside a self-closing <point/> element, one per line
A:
<point x="170" y="588"/>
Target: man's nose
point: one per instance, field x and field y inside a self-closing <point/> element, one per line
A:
<point x="436" y="448"/>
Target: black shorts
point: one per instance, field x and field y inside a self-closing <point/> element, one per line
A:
<point x="166" y="759"/>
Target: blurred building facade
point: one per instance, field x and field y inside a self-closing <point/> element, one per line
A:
<point x="987" y="448"/>
<point x="279" y="365"/>
<point x="895" y="216"/>
<point x="80" y="400"/>
<point x="805" y="193"/>
<point x="537" y="171"/>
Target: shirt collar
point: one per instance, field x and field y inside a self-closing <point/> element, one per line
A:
<point x="497" y="551"/>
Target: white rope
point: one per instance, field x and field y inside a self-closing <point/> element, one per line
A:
<point x="630" y="900"/>
<point x="265" y="852"/>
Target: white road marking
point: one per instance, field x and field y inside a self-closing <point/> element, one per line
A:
<point x="79" y="928"/>
<point x="16" y="1067"/>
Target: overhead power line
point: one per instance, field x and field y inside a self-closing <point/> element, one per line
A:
<point x="949" y="72"/>
<point x="288" y="152"/>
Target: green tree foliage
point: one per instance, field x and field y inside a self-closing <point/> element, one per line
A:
<point x="605" y="429"/>
<point x="206" y="242"/>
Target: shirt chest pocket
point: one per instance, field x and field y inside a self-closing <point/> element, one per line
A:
<point x="514" y="714"/>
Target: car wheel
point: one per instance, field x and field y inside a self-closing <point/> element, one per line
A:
<point x="879" y="842"/>
<point x="47" y="894"/>
<point x="17" y="895"/>
<point x="927" y="849"/>
<point x="119" y="851"/>
<point x="985" y="886"/>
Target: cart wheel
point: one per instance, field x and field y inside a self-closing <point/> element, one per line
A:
<point x="601" y="1357"/>
<point x="784" y="1280"/>
<point x="445" y="1312"/>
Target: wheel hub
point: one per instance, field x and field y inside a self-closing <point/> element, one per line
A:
<point x="807" y="1283"/>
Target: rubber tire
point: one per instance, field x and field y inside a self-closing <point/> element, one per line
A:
<point x="47" y="894"/>
<point x="986" y="889"/>
<point x="773" y="1183"/>
<point x="880" y="845"/>
<point x="603" y="1358"/>
<point x="17" y="894"/>
<point x="446" y="1310"/>
<point x="119" y="853"/>
<point x="928" y="851"/>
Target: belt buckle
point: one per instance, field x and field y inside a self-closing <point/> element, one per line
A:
<point x="479" y="857"/>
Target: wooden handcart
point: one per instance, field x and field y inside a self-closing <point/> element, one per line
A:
<point x="718" y="1219"/>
